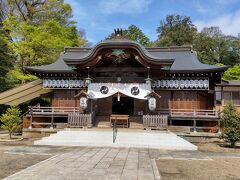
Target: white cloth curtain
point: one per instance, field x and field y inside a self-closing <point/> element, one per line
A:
<point x="135" y="90"/>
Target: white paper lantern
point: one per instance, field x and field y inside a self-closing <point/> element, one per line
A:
<point x="206" y="84"/>
<point x="83" y="103"/>
<point x="62" y="83"/>
<point x="171" y="82"/>
<point x="58" y="83"/>
<point x="79" y="83"/>
<point x="54" y="83"/>
<point x="152" y="104"/>
<point x="76" y="83"/>
<point x="50" y="84"/>
<point x="164" y="83"/>
<point x="71" y="83"/>
<point x="84" y="84"/>
<point x="201" y="83"/>
<point x="154" y="84"/>
<point x="161" y="84"/>
<point x="45" y="83"/>
<point x="176" y="84"/>
<point x="186" y="83"/>
<point x="158" y="84"/>
<point x="196" y="83"/>
<point x="182" y="84"/>
<point x="191" y="83"/>
<point x="167" y="83"/>
<point x="66" y="83"/>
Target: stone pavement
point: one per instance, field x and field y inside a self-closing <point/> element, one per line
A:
<point x="94" y="163"/>
<point x="98" y="162"/>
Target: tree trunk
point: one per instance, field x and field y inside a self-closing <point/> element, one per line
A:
<point x="10" y="135"/>
<point x="232" y="144"/>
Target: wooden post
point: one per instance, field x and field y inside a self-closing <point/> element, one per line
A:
<point x="90" y="119"/>
<point x="31" y="118"/>
<point x="219" y="127"/>
<point x="52" y="118"/>
<point x="170" y="119"/>
<point x="194" y="126"/>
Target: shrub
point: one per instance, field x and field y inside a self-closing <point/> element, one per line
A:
<point x="11" y="120"/>
<point x="230" y="121"/>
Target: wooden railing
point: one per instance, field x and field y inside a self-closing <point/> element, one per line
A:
<point x="194" y="115"/>
<point x="155" y="121"/>
<point x="77" y="119"/>
<point x="204" y="113"/>
<point x="53" y="110"/>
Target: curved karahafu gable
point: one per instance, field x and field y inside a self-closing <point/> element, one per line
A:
<point x="94" y="56"/>
<point x="169" y="59"/>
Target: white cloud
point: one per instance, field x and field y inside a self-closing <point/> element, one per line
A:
<point x="212" y="7"/>
<point x="124" y="6"/>
<point x="228" y="23"/>
<point x="224" y="2"/>
<point x="200" y="7"/>
<point x="78" y="11"/>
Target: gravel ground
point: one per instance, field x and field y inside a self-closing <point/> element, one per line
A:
<point x="12" y="163"/>
<point x="217" y="148"/>
<point x="219" y="168"/>
<point x="216" y="169"/>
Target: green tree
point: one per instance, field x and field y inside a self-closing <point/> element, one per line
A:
<point x="176" y="30"/>
<point x="6" y="62"/>
<point x="134" y="33"/>
<point x="214" y="47"/>
<point x="11" y="120"/>
<point x="38" y="31"/>
<point x="230" y="121"/>
<point x="37" y="11"/>
<point x="6" y="56"/>
<point x="232" y="73"/>
<point x="41" y="44"/>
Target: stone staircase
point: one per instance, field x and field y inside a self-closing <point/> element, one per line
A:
<point x="125" y="138"/>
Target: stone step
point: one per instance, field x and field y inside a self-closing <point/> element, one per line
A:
<point x="144" y="139"/>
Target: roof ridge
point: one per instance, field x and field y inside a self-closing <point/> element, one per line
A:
<point x="76" y="49"/>
<point x="170" y="48"/>
<point x="151" y="49"/>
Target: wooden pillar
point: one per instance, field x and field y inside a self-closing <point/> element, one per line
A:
<point x="170" y="119"/>
<point x="52" y="119"/>
<point x="194" y="126"/>
<point x="90" y="120"/>
<point x="194" y="121"/>
<point x="219" y="127"/>
<point x="31" y="118"/>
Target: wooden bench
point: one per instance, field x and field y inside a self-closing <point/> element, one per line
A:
<point x="121" y="120"/>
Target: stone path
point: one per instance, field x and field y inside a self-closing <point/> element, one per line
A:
<point x="94" y="163"/>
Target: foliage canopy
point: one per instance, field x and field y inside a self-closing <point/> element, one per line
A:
<point x="176" y="30"/>
<point x="230" y="121"/>
<point x="134" y="33"/>
<point x="11" y="120"/>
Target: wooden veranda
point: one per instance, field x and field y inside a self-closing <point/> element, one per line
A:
<point x="162" y="119"/>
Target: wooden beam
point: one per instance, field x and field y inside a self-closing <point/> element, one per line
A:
<point x="117" y="69"/>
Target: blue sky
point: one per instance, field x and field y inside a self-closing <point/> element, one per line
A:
<point x="98" y="18"/>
